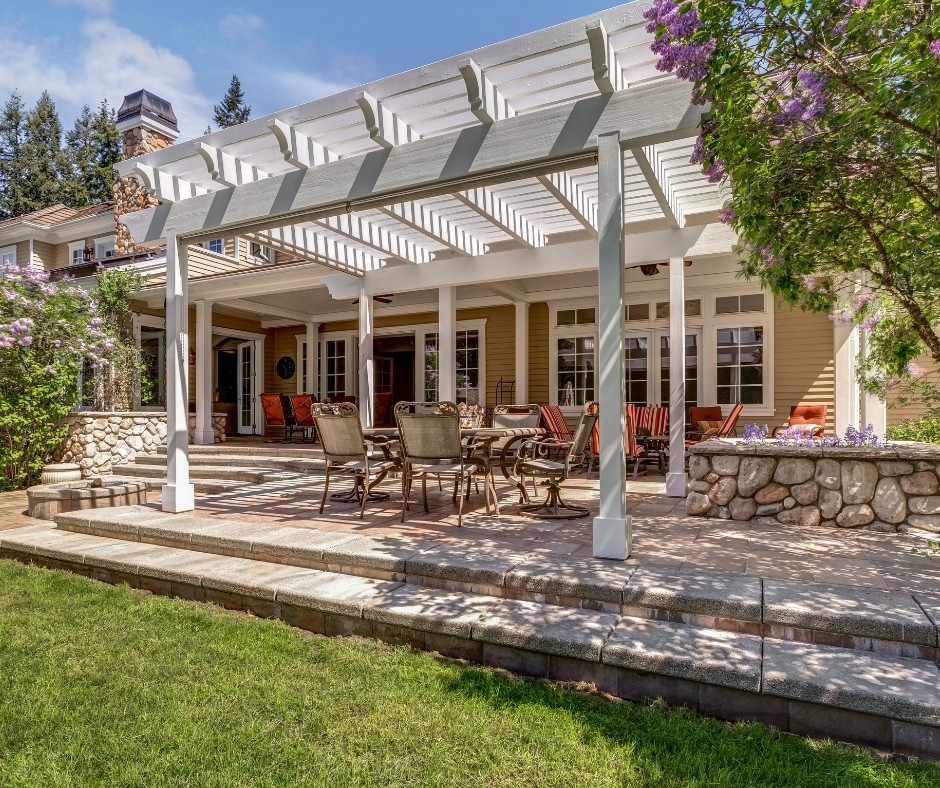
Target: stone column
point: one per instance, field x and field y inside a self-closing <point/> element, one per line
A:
<point x="178" y="493"/>
<point x="522" y="352"/>
<point x="447" y="344"/>
<point x="675" y="478"/>
<point x="613" y="529"/>
<point x="204" y="433"/>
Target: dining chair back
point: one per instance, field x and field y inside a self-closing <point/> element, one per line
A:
<point x="302" y="407"/>
<point x="278" y="413"/>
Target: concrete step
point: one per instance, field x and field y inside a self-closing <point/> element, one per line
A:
<point x="294" y="464"/>
<point x="260" y="450"/>
<point x="213" y="472"/>
<point x="202" y="486"/>
<point x="888" y="703"/>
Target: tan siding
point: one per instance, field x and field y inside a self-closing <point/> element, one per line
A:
<point x="284" y="343"/>
<point x="22" y="253"/>
<point x="60" y="256"/>
<point x="803" y="364"/>
<point x="43" y="255"/>
<point x="897" y="414"/>
<point x="538" y="354"/>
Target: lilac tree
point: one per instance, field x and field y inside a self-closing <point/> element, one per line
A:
<point x="825" y="117"/>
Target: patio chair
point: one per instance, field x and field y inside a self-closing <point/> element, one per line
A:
<point x="531" y="461"/>
<point x="278" y="413"/>
<point x="636" y="450"/>
<point x="431" y="445"/>
<point x="382" y="407"/>
<point x="345" y="450"/>
<point x="302" y="407"/>
<point x="709" y="423"/>
<point x="813" y="417"/>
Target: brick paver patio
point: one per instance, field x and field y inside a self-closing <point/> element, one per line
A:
<point x="663" y="535"/>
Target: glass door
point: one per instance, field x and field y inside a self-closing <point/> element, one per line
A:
<point x="638" y="369"/>
<point x="693" y="343"/>
<point x="247" y="389"/>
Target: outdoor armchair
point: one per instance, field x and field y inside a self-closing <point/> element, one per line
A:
<point x="811" y="417"/>
<point x="302" y="405"/>
<point x="718" y="426"/>
<point x="431" y="445"/>
<point x="532" y="461"/>
<point x="346" y="452"/>
<point x="278" y="413"/>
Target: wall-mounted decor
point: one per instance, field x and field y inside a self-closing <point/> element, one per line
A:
<point x="285" y="367"/>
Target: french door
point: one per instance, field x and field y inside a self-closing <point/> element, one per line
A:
<point x="247" y="388"/>
<point x="647" y="366"/>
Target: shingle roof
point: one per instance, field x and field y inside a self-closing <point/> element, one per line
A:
<point x="57" y="214"/>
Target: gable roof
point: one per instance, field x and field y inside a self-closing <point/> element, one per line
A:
<point x="59" y="213"/>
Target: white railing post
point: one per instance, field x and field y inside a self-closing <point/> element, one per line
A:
<point x="447" y="344"/>
<point x="675" y="477"/>
<point x="366" y="362"/>
<point x="204" y="434"/>
<point x="613" y="529"/>
<point x="178" y="492"/>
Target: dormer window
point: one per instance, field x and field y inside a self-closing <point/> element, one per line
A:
<point x="216" y="245"/>
<point x="260" y="254"/>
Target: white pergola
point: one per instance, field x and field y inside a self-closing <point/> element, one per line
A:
<point x="559" y="151"/>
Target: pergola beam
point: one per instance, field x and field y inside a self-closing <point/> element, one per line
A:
<point x="385" y="243"/>
<point x="498" y="213"/>
<point x="650" y="162"/>
<point x="298" y="149"/>
<point x="607" y="74"/>
<point x="552" y="140"/>
<point x="264" y="309"/>
<point x="567" y="192"/>
<point x="327" y="251"/>
<point x="226" y="169"/>
<point x="384" y="126"/>
<point x="419" y="218"/>
<point x="486" y="102"/>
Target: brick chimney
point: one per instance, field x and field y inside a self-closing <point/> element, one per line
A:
<point x="146" y="123"/>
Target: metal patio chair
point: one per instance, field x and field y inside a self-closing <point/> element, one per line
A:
<point x="302" y="406"/>
<point x="531" y="461"/>
<point x="278" y="413"/>
<point x="431" y="445"/>
<point x="346" y="452"/>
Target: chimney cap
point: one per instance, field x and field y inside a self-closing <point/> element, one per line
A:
<point x="145" y="106"/>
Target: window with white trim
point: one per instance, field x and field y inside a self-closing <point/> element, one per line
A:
<point x="740" y="363"/>
<point x="77" y="253"/>
<point x="468" y="367"/>
<point x="8" y="255"/>
<point x="574" y="382"/>
<point x="104" y="247"/>
<point x="335" y="368"/>
<point x="260" y="254"/>
<point x="216" y="245"/>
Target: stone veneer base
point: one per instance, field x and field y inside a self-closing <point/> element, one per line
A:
<point x="98" y="440"/>
<point x="890" y="489"/>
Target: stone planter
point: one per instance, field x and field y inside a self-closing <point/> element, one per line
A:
<point x="98" y="440"/>
<point x="889" y="489"/>
<point x="47" y="500"/>
<point x="60" y="472"/>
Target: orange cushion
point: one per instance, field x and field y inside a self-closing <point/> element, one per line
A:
<point x="709" y="427"/>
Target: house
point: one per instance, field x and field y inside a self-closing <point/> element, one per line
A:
<point x="453" y="218"/>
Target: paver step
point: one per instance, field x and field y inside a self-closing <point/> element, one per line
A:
<point x="299" y="464"/>
<point x="890" y="624"/>
<point x="214" y="472"/>
<point x="202" y="486"/>
<point x="893" y="704"/>
<point x="262" y="450"/>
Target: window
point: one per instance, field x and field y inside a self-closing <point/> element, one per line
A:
<point x="638" y="311"/>
<point x="77" y="253"/>
<point x="335" y="368"/>
<point x="636" y="362"/>
<point x="260" y="254"/>
<point x="693" y="308"/>
<point x="216" y="245"/>
<point x="468" y="367"/>
<point x="8" y="255"/>
<point x="303" y="368"/>
<point x="575" y="317"/>
<point x="741" y="365"/>
<point x="732" y="305"/>
<point x="104" y="247"/>
<point x="575" y="377"/>
<point x="691" y="370"/>
<point x="431" y="367"/>
<point x="153" y="355"/>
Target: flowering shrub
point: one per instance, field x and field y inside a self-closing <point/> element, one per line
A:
<point x="926" y="430"/>
<point x="47" y="331"/>
<point x="801" y="436"/>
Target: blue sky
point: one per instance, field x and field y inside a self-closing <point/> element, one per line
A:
<point x="285" y="53"/>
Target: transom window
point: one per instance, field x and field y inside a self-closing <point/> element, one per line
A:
<point x="741" y="365"/>
<point x="575" y="378"/>
<point x="575" y="317"/>
<point x="732" y="305"/>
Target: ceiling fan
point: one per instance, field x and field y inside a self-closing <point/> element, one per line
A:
<point x="385" y="298"/>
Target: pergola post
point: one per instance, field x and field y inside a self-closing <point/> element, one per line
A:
<point x="447" y="344"/>
<point x="844" y="340"/>
<point x="313" y="356"/>
<point x="522" y="353"/>
<point x="675" y="477"/>
<point x="178" y="492"/>
<point x="613" y="529"/>
<point x="872" y="410"/>
<point x="366" y="362"/>
<point x="204" y="434"/>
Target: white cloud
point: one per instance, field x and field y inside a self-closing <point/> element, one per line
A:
<point x="235" y="26"/>
<point x="92" y="6"/>
<point x="111" y="62"/>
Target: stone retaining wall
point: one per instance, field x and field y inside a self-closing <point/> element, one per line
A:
<point x="96" y="440"/>
<point x="889" y="489"/>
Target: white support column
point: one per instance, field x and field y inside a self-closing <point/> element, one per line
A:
<point x="845" y="347"/>
<point x="613" y="529"/>
<point x="675" y="478"/>
<point x="204" y="434"/>
<point x="313" y="367"/>
<point x="873" y="410"/>
<point x="178" y="492"/>
<point x="366" y="362"/>
<point x="522" y="353"/>
<point x="447" y="344"/>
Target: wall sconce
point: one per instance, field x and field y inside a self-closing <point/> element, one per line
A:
<point x="649" y="270"/>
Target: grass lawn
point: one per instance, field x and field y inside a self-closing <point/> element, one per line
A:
<point x="104" y="686"/>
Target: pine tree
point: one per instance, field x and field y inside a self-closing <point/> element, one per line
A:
<point x="48" y="174"/>
<point x="12" y="165"/>
<point x="233" y="109"/>
<point x="107" y="153"/>
<point x="80" y="150"/>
